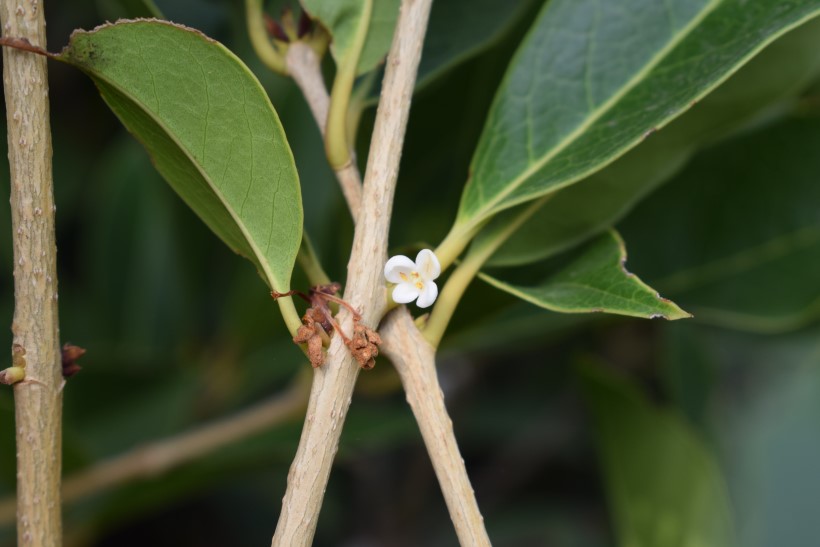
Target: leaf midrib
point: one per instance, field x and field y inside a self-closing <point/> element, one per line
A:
<point x="598" y="113"/>
<point x="260" y="258"/>
<point x="518" y="290"/>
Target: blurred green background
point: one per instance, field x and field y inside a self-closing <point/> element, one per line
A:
<point x="180" y="331"/>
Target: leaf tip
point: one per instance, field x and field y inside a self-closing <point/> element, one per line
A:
<point x="675" y="313"/>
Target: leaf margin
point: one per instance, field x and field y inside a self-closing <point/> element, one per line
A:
<point x="674" y="311"/>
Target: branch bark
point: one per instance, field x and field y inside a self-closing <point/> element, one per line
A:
<point x="38" y="399"/>
<point x="333" y="382"/>
<point x="414" y="359"/>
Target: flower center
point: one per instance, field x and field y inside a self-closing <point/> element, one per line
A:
<point x="414" y="278"/>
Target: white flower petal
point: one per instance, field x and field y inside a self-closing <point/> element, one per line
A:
<point x="428" y="295"/>
<point x="405" y="292"/>
<point x="428" y="265"/>
<point x="396" y="266"/>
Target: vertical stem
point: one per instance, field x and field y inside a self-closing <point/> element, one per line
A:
<point x="336" y="145"/>
<point x="38" y="401"/>
<point x="334" y="381"/>
<point x="414" y="360"/>
<point x="303" y="66"/>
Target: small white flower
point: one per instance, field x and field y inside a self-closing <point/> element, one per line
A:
<point x="414" y="279"/>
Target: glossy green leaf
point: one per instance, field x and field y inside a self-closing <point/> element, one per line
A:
<point x="342" y="19"/>
<point x="595" y="280"/>
<point x="761" y="89"/>
<point x="209" y="128"/>
<point x="664" y="485"/>
<point x="592" y="79"/>
<point x="735" y="237"/>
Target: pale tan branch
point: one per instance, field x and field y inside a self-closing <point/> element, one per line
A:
<point x="303" y="66"/>
<point x="38" y="399"/>
<point x="159" y="457"/>
<point x="334" y="381"/>
<point x="414" y="359"/>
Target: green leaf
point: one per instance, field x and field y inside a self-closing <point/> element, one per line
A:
<point x="592" y="79"/>
<point x="764" y="87"/>
<point x="595" y="281"/>
<point x="209" y="128"/>
<point x="342" y="18"/>
<point x="736" y="235"/>
<point x="664" y="486"/>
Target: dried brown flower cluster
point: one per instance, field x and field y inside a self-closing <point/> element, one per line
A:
<point x="313" y="333"/>
<point x="365" y="345"/>
<point x="318" y="324"/>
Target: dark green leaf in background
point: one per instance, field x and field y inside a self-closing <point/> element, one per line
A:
<point x="776" y="444"/>
<point x="460" y="29"/>
<point x="595" y="281"/>
<point x="664" y="485"/>
<point x="116" y="9"/>
<point x="593" y="78"/>
<point x="210" y="130"/>
<point x="735" y="237"/>
<point x="760" y="402"/>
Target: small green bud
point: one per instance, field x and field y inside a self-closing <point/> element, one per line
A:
<point x="12" y="375"/>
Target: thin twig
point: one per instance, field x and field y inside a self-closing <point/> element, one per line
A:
<point x="259" y="37"/>
<point x="303" y="66"/>
<point x="333" y="383"/>
<point x="414" y="360"/>
<point x="159" y="457"/>
<point x="38" y="399"/>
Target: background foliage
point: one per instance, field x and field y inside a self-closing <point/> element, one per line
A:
<point x="577" y="430"/>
